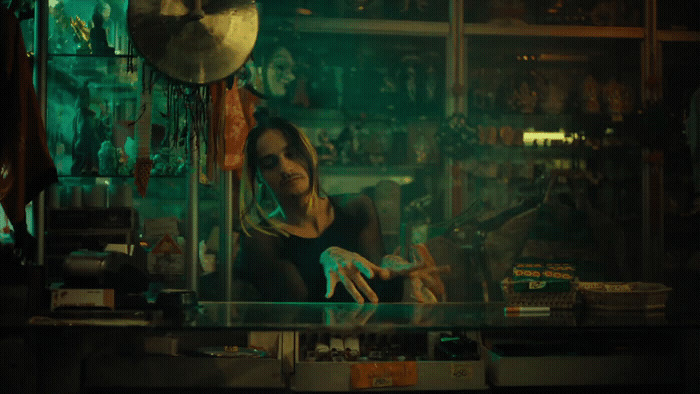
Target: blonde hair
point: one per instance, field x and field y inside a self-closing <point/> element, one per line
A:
<point x="252" y="214"/>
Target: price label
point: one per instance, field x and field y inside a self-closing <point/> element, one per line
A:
<point x="382" y="381"/>
<point x="618" y="288"/>
<point x="461" y="371"/>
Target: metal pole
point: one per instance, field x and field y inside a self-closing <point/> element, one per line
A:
<point x="191" y="241"/>
<point x="456" y="103"/>
<point x="41" y="37"/>
<point x="228" y="234"/>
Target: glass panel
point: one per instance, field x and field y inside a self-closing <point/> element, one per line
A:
<point x="679" y="15"/>
<point x="71" y="23"/>
<point x="552" y="83"/>
<point x="108" y="92"/>
<point x="357" y="75"/>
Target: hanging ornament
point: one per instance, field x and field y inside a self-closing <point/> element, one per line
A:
<point x="455" y="138"/>
<point x="144" y="164"/>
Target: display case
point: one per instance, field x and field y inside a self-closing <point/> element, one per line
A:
<point x="480" y="55"/>
<point x="407" y="347"/>
<point x="373" y="86"/>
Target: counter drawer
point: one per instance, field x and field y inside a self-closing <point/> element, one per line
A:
<point x="181" y="371"/>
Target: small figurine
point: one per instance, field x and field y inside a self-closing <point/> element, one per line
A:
<point x="327" y="154"/>
<point x="618" y="99"/>
<point x="591" y="89"/>
<point x="98" y="34"/>
<point x="81" y="35"/>
<point x="524" y="99"/>
<point x="107" y="158"/>
<point x="88" y="134"/>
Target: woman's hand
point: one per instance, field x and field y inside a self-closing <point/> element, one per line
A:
<point x="348" y="268"/>
<point x="422" y="272"/>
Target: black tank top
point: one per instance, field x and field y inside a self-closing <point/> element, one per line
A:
<point x="343" y="232"/>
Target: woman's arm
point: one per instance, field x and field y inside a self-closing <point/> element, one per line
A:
<point x="276" y="279"/>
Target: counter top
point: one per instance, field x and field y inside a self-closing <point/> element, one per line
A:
<point x="370" y="317"/>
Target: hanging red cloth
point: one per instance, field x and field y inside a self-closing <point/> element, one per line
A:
<point x="231" y="120"/>
<point x="26" y="168"/>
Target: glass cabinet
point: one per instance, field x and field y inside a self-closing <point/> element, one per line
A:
<point x="541" y="86"/>
<point x="458" y="117"/>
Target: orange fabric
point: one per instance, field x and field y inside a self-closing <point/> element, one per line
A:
<point x="231" y="120"/>
<point x="26" y="168"/>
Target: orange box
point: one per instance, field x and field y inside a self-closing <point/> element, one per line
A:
<point x="383" y="374"/>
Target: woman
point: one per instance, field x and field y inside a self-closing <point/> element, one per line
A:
<point x="298" y="242"/>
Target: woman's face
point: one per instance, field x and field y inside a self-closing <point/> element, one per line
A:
<point x="281" y="165"/>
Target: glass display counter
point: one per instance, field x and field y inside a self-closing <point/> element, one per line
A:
<point x="334" y="346"/>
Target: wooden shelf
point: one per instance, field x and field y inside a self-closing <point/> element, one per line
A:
<point x="367" y="26"/>
<point x="679" y="35"/>
<point x="441" y="29"/>
<point x="554" y="31"/>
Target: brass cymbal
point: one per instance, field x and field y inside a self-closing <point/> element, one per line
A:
<point x="195" y="41"/>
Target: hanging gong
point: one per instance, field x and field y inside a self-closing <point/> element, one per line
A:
<point x="195" y="41"/>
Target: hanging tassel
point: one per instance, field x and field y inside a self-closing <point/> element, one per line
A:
<point x="144" y="164"/>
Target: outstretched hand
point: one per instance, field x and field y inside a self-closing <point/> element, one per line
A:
<point x="422" y="272"/>
<point x="350" y="269"/>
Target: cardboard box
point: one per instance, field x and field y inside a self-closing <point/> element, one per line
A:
<point x="82" y="298"/>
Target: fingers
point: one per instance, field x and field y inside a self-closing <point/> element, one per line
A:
<point x="416" y="285"/>
<point x="428" y="296"/>
<point x="363" y="286"/>
<point x="369" y="269"/>
<point x="331" y="282"/>
<point x="350" y="287"/>
<point x="433" y="284"/>
<point x="397" y="265"/>
<point x="348" y="268"/>
<point x="430" y="280"/>
<point x="421" y="293"/>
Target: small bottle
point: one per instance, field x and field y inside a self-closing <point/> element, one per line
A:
<point x="321" y="348"/>
<point x="352" y="348"/>
<point x="337" y="348"/>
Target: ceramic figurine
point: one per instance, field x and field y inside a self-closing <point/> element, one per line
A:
<point x="618" y="99"/>
<point x="524" y="98"/>
<point x="327" y="153"/>
<point x="591" y="89"/>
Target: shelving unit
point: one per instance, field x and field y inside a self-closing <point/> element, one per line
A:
<point x="452" y="38"/>
<point x="74" y="353"/>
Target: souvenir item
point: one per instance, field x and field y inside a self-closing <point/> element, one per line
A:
<point x="618" y="99"/>
<point x="591" y="90"/>
<point x="524" y="99"/>
<point x="82" y="35"/>
<point x="279" y="73"/>
<point x="554" y="87"/>
<point x="455" y="138"/>
<point x="327" y="154"/>
<point x="98" y="36"/>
